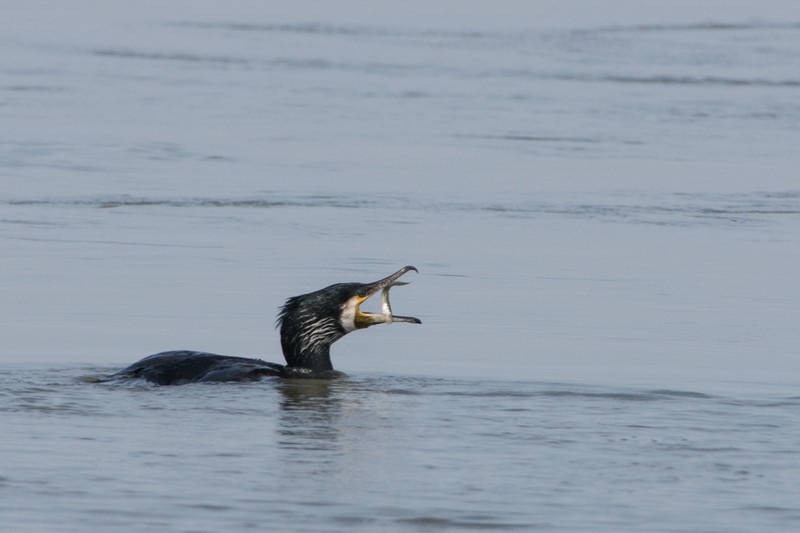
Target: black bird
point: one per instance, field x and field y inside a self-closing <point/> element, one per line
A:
<point x="309" y="324"/>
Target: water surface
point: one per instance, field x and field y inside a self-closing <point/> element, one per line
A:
<point x="603" y="204"/>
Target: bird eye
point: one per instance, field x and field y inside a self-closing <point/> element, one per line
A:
<point x="361" y="293"/>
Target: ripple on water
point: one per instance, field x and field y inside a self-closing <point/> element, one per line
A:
<point x="476" y="522"/>
<point x="450" y="453"/>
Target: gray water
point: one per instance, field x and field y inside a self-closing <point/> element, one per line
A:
<point x="603" y="202"/>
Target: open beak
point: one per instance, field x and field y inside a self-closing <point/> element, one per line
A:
<point x="364" y="320"/>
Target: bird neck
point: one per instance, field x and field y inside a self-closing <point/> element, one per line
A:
<point x="317" y="358"/>
<point x="307" y="331"/>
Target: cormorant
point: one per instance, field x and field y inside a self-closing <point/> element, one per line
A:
<point x="309" y="324"/>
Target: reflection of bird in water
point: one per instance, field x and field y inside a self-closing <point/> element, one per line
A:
<point x="309" y="324"/>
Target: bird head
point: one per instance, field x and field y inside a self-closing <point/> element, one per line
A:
<point x="311" y="322"/>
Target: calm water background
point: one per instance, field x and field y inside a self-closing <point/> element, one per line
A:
<point x="603" y="201"/>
